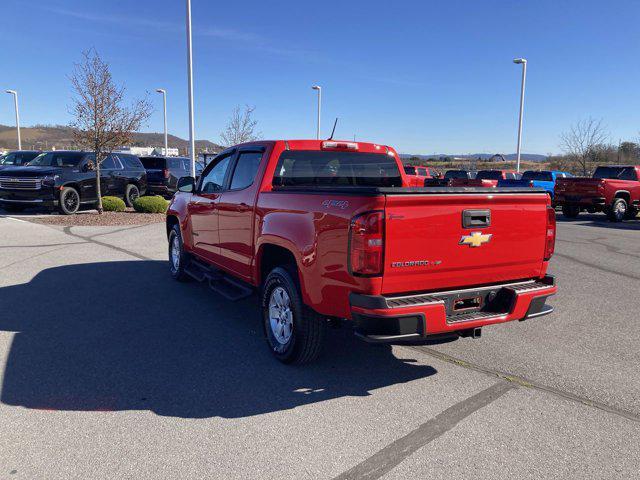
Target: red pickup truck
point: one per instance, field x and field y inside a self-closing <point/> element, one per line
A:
<point x="614" y="190"/>
<point x="416" y="176"/>
<point x="329" y="233"/>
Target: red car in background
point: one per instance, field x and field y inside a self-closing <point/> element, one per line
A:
<point x="614" y="190"/>
<point x="416" y="175"/>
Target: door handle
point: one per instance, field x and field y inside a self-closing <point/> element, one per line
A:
<point x="242" y="207"/>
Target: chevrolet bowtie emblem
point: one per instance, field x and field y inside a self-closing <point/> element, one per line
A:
<point x="476" y="239"/>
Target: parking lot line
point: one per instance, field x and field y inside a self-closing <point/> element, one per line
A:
<point x="392" y="455"/>
<point x="526" y="382"/>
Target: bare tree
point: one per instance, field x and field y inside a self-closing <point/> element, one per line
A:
<point x="241" y="127"/>
<point x="102" y="122"/>
<point x="584" y="141"/>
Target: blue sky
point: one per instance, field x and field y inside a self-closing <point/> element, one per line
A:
<point x="422" y="76"/>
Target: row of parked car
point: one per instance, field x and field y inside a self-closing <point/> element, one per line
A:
<point x="65" y="180"/>
<point x="613" y="190"/>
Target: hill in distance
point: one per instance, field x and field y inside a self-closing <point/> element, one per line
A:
<point x="526" y="157"/>
<point x="46" y="137"/>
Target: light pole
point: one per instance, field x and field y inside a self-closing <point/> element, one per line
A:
<point x="522" y="61"/>
<point x="15" y="102"/>
<point x="164" y="107"/>
<point x="319" y="89"/>
<point x="192" y="142"/>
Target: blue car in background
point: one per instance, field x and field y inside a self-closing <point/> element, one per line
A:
<point x="537" y="178"/>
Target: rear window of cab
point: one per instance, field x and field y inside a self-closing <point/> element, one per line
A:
<point x="307" y="168"/>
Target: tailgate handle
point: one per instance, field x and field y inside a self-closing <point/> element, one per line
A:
<point x="476" y="218"/>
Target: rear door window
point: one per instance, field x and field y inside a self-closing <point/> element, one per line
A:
<point x="153" y="163"/>
<point x="336" y="168"/>
<point x="108" y="163"/>
<point x="245" y="170"/>
<point x="489" y="175"/>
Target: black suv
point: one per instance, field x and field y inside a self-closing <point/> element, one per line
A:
<point x="163" y="173"/>
<point x="17" y="158"/>
<point x="66" y="180"/>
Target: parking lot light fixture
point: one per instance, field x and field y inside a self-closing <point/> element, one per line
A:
<point x="15" y="102"/>
<point x="523" y="62"/>
<point x="164" y="108"/>
<point x="319" y="89"/>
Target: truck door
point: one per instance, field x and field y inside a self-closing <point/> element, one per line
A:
<point x="236" y="212"/>
<point x="203" y="208"/>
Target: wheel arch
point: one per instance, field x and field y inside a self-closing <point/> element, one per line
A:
<point x="624" y="194"/>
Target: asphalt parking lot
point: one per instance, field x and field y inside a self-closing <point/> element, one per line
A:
<point x="110" y="369"/>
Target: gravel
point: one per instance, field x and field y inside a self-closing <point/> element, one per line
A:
<point x="92" y="218"/>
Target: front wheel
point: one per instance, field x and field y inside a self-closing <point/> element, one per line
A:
<point x="131" y="194"/>
<point x="570" y="211"/>
<point x="69" y="201"/>
<point x="618" y="211"/>
<point x="295" y="333"/>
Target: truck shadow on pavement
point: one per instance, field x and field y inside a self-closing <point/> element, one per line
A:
<point x="125" y="336"/>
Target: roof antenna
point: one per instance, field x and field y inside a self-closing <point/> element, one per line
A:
<point x="334" y="129"/>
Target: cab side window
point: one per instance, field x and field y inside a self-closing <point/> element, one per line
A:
<point x="246" y="169"/>
<point x="213" y="179"/>
<point x="108" y="163"/>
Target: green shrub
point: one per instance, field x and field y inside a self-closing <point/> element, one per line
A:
<point x="151" y="204"/>
<point x="113" y="204"/>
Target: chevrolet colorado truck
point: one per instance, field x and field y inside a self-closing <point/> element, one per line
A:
<point x="329" y="233"/>
<point x="614" y="190"/>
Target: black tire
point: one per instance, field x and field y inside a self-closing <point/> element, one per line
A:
<point x="14" y="208"/>
<point x="176" y="268"/>
<point x="570" y="211"/>
<point x="632" y="213"/>
<point x="69" y="201"/>
<point x="618" y="210"/>
<point x="131" y="193"/>
<point x="308" y="327"/>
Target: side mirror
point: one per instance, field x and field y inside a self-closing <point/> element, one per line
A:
<point x="187" y="185"/>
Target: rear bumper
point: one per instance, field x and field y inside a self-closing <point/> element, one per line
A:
<point x="423" y="316"/>
<point x="159" y="188"/>
<point x="577" y="201"/>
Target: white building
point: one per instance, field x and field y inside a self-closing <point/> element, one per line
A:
<point x="147" y="151"/>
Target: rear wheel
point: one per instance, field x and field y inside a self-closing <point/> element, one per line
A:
<point x="632" y="213"/>
<point x="570" y="211"/>
<point x="618" y="211"/>
<point x="295" y="333"/>
<point x="69" y="201"/>
<point x="178" y="258"/>
<point x="131" y="194"/>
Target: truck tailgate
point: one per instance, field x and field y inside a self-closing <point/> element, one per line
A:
<point x="579" y="187"/>
<point x="428" y="248"/>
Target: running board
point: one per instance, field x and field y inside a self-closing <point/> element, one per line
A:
<point x="218" y="281"/>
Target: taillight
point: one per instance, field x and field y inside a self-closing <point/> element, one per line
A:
<point x="550" y="238"/>
<point x="367" y="243"/>
<point x="165" y="173"/>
